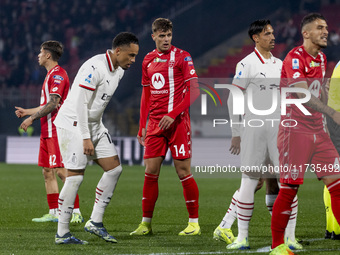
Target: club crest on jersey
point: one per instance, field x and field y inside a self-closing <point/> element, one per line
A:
<point x="294" y="173"/>
<point x="295" y="63"/>
<point x="159" y="60"/>
<point x="188" y="59"/>
<point x="158" y="80"/>
<point x="58" y="77"/>
<point x="171" y="64"/>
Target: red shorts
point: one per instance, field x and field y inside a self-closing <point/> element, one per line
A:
<point x="300" y="152"/>
<point x="49" y="153"/>
<point x="177" y="138"/>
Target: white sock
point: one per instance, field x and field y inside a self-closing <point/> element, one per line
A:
<point x="146" y="219"/>
<point x="270" y="199"/>
<point x="54" y="212"/>
<point x="245" y="205"/>
<point x="104" y="192"/>
<point x="290" y="229"/>
<point x="194" y="220"/>
<point x="66" y="199"/>
<point x="76" y="211"/>
<point x="231" y="214"/>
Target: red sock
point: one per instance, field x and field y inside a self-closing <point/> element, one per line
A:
<point x="334" y="190"/>
<point x="76" y="202"/>
<point x="281" y="213"/>
<point x="52" y="200"/>
<point x="190" y="192"/>
<point x="150" y="194"/>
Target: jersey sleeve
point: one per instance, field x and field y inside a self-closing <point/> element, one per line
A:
<point x="242" y="75"/>
<point x="145" y="77"/>
<point x="89" y="76"/>
<point x="294" y="69"/>
<point x="187" y="67"/>
<point x="57" y="83"/>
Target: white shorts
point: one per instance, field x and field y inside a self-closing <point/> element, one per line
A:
<point x="72" y="150"/>
<point x="257" y="144"/>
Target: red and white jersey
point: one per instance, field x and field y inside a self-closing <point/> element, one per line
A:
<point x="300" y="66"/>
<point x="259" y="78"/>
<point x="56" y="82"/>
<point x="166" y="74"/>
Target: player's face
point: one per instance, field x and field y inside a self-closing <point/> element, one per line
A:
<point x="317" y="32"/>
<point x="126" y="55"/>
<point x="162" y="40"/>
<point x="266" y="39"/>
<point x="43" y="57"/>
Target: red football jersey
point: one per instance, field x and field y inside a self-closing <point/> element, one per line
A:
<point x="56" y="82"/>
<point x="166" y="74"/>
<point x="301" y="66"/>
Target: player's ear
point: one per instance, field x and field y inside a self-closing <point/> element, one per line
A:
<point x="117" y="51"/>
<point x="255" y="38"/>
<point x="153" y="37"/>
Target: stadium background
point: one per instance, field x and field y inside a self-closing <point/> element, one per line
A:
<point x="215" y="33"/>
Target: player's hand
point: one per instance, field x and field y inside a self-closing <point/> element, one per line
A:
<point x="235" y="146"/>
<point x="165" y="122"/>
<point x="20" y="112"/>
<point x="336" y="117"/>
<point x="26" y="123"/>
<point x="141" y="139"/>
<point x="88" y="147"/>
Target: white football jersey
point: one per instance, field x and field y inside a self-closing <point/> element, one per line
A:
<point x="259" y="78"/>
<point x="91" y="91"/>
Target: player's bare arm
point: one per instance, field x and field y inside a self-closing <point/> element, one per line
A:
<point x="48" y="108"/>
<point x="21" y="112"/>
<point x="317" y="105"/>
<point x="235" y="146"/>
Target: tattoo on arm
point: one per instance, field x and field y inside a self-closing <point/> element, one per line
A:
<point x="48" y="108"/>
<point x="319" y="106"/>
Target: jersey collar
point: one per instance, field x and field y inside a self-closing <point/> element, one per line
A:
<point x="109" y="61"/>
<point x="262" y="59"/>
<point x="166" y="52"/>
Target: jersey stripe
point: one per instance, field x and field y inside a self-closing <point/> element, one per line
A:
<point x="171" y="82"/>
<point x="259" y="56"/>
<point x="109" y="61"/>
<point x="47" y="98"/>
<point x="85" y="87"/>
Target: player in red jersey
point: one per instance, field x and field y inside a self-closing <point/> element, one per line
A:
<point x="303" y="140"/>
<point x="53" y="93"/>
<point x="169" y="86"/>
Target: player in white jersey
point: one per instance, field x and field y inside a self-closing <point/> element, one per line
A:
<point x="82" y="135"/>
<point x="258" y="76"/>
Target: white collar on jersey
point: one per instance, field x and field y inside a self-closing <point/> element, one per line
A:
<point x="109" y="61"/>
<point x="264" y="60"/>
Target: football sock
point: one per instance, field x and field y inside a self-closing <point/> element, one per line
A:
<point x="334" y="190"/>
<point x="66" y="201"/>
<point x="104" y="192"/>
<point x="150" y="194"/>
<point x="231" y="214"/>
<point x="270" y="199"/>
<point x="52" y="200"/>
<point x="245" y="205"/>
<point x="190" y="192"/>
<point x="281" y="213"/>
<point x="290" y="229"/>
<point x="76" y="203"/>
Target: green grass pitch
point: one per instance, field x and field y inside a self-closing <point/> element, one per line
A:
<point x="22" y="197"/>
